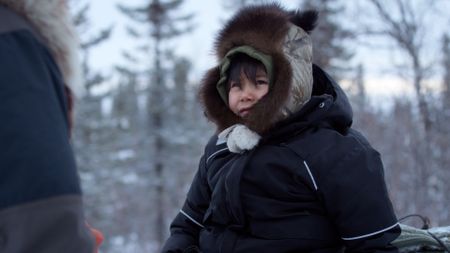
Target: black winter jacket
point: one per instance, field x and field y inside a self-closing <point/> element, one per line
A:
<point x="313" y="184"/>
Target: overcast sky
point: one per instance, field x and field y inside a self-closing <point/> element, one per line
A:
<point x="197" y="45"/>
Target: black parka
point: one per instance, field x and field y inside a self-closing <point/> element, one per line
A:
<point x="313" y="184"/>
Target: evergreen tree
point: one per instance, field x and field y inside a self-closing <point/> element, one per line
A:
<point x="162" y="26"/>
<point x="446" y="78"/>
<point x="442" y="135"/>
<point x="125" y="100"/>
<point x="90" y="131"/>
<point x="360" y="94"/>
<point x="187" y="134"/>
<point x="88" y="42"/>
<point x="181" y="81"/>
<point x="330" y="37"/>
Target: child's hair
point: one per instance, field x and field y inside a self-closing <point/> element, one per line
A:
<point x="242" y="63"/>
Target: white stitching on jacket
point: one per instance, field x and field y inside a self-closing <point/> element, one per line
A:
<point x="310" y="174"/>
<point x="214" y="154"/>
<point x="367" y="235"/>
<point x="192" y="219"/>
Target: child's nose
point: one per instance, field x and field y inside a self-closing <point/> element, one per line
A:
<point x="248" y="93"/>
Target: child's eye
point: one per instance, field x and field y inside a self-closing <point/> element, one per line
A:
<point x="235" y="84"/>
<point x="262" y="81"/>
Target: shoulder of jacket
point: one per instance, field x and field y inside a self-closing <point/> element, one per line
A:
<point x="327" y="151"/>
<point x="325" y="142"/>
<point x="211" y="144"/>
<point x="11" y="21"/>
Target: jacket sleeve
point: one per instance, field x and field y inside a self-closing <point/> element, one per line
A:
<point x="357" y="200"/>
<point x="40" y="197"/>
<point x="185" y="228"/>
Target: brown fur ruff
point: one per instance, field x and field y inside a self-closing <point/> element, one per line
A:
<point x="264" y="28"/>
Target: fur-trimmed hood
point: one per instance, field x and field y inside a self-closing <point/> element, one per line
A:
<point x="51" y="19"/>
<point x="281" y="34"/>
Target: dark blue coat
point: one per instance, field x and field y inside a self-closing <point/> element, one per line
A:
<point x="313" y="184"/>
<point x="40" y="196"/>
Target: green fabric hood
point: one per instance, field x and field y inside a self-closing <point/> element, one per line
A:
<point x="265" y="59"/>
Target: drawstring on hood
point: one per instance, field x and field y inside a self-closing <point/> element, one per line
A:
<point x="51" y="20"/>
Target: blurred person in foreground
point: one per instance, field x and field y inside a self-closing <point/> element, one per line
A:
<point x="285" y="171"/>
<point x="41" y="208"/>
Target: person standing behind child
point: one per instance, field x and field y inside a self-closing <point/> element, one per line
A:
<point x="41" y="208"/>
<point x="285" y="171"/>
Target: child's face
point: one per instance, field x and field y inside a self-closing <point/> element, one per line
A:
<point x="245" y="93"/>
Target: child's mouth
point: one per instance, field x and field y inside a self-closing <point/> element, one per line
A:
<point x="244" y="112"/>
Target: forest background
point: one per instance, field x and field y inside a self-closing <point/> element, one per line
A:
<point x="140" y="131"/>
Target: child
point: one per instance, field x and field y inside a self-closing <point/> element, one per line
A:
<point x="286" y="172"/>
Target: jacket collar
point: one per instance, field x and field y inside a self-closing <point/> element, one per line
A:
<point x="328" y="107"/>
